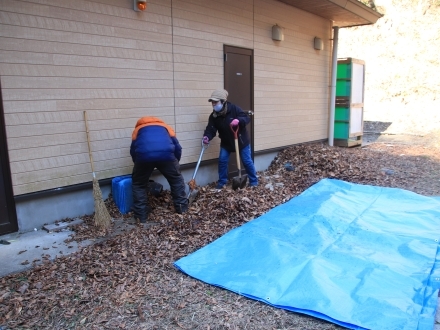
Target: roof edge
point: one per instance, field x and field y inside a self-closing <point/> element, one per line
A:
<point x="359" y="9"/>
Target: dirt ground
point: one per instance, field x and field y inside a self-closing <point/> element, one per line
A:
<point x="129" y="281"/>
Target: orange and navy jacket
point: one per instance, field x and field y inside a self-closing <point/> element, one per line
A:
<point x="154" y="141"/>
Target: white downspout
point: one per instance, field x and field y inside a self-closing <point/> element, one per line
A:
<point x="331" y="126"/>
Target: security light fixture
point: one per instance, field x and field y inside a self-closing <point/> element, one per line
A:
<point x="318" y="44"/>
<point x="139" y="5"/>
<point x="277" y="33"/>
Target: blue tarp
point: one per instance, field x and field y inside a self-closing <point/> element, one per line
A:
<point x="360" y="256"/>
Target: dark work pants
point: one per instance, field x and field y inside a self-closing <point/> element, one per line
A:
<point x="140" y="178"/>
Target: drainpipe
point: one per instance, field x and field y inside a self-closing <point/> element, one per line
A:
<point x="331" y="126"/>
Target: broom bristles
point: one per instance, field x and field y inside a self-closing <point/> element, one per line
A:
<point x="102" y="217"/>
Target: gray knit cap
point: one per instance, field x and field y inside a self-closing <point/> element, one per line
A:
<point x="219" y="94"/>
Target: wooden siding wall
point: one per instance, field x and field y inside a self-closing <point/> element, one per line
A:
<point x="200" y="29"/>
<point x="61" y="57"/>
<point x="291" y="77"/>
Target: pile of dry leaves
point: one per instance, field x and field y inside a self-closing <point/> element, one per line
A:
<point x="129" y="282"/>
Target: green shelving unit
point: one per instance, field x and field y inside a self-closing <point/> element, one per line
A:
<point x="349" y="107"/>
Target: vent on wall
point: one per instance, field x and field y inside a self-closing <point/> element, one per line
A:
<point x="318" y="44"/>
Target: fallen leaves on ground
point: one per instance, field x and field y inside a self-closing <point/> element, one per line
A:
<point x="128" y="281"/>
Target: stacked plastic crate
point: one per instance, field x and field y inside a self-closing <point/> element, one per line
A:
<point x="349" y="107"/>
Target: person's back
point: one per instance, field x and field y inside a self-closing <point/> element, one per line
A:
<point x="155" y="145"/>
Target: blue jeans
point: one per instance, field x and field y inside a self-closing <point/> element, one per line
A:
<point x="245" y="155"/>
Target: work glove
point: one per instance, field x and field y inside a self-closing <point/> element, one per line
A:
<point x="205" y="140"/>
<point x="235" y="122"/>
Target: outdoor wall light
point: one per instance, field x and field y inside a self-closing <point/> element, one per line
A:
<point x="277" y="33"/>
<point x="318" y="44"/>
<point x="139" y="5"/>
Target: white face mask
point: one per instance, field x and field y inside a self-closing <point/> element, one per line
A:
<point x="217" y="107"/>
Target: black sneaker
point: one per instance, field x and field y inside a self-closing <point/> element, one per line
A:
<point x="219" y="186"/>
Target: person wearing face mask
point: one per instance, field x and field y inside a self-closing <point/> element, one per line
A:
<point x="223" y="115"/>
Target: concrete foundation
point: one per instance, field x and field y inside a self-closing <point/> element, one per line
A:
<point x="37" y="212"/>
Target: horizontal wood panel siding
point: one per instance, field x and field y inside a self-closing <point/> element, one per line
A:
<point x="291" y="77"/>
<point x="61" y="57"/>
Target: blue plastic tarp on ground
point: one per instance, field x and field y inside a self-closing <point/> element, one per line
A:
<point x="360" y="256"/>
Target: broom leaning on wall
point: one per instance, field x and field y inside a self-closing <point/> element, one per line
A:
<point x="102" y="217"/>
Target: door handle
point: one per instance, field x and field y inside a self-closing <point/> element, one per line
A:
<point x="250" y="113"/>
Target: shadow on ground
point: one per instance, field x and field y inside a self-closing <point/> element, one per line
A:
<point x="375" y="132"/>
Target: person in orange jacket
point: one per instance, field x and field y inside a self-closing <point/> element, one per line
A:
<point x="155" y="145"/>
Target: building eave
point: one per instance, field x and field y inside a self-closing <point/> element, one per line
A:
<point x="343" y="13"/>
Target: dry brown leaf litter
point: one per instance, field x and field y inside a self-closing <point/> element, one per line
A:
<point x="129" y="282"/>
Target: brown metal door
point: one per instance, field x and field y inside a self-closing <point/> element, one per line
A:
<point x="239" y="82"/>
<point x="8" y="216"/>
